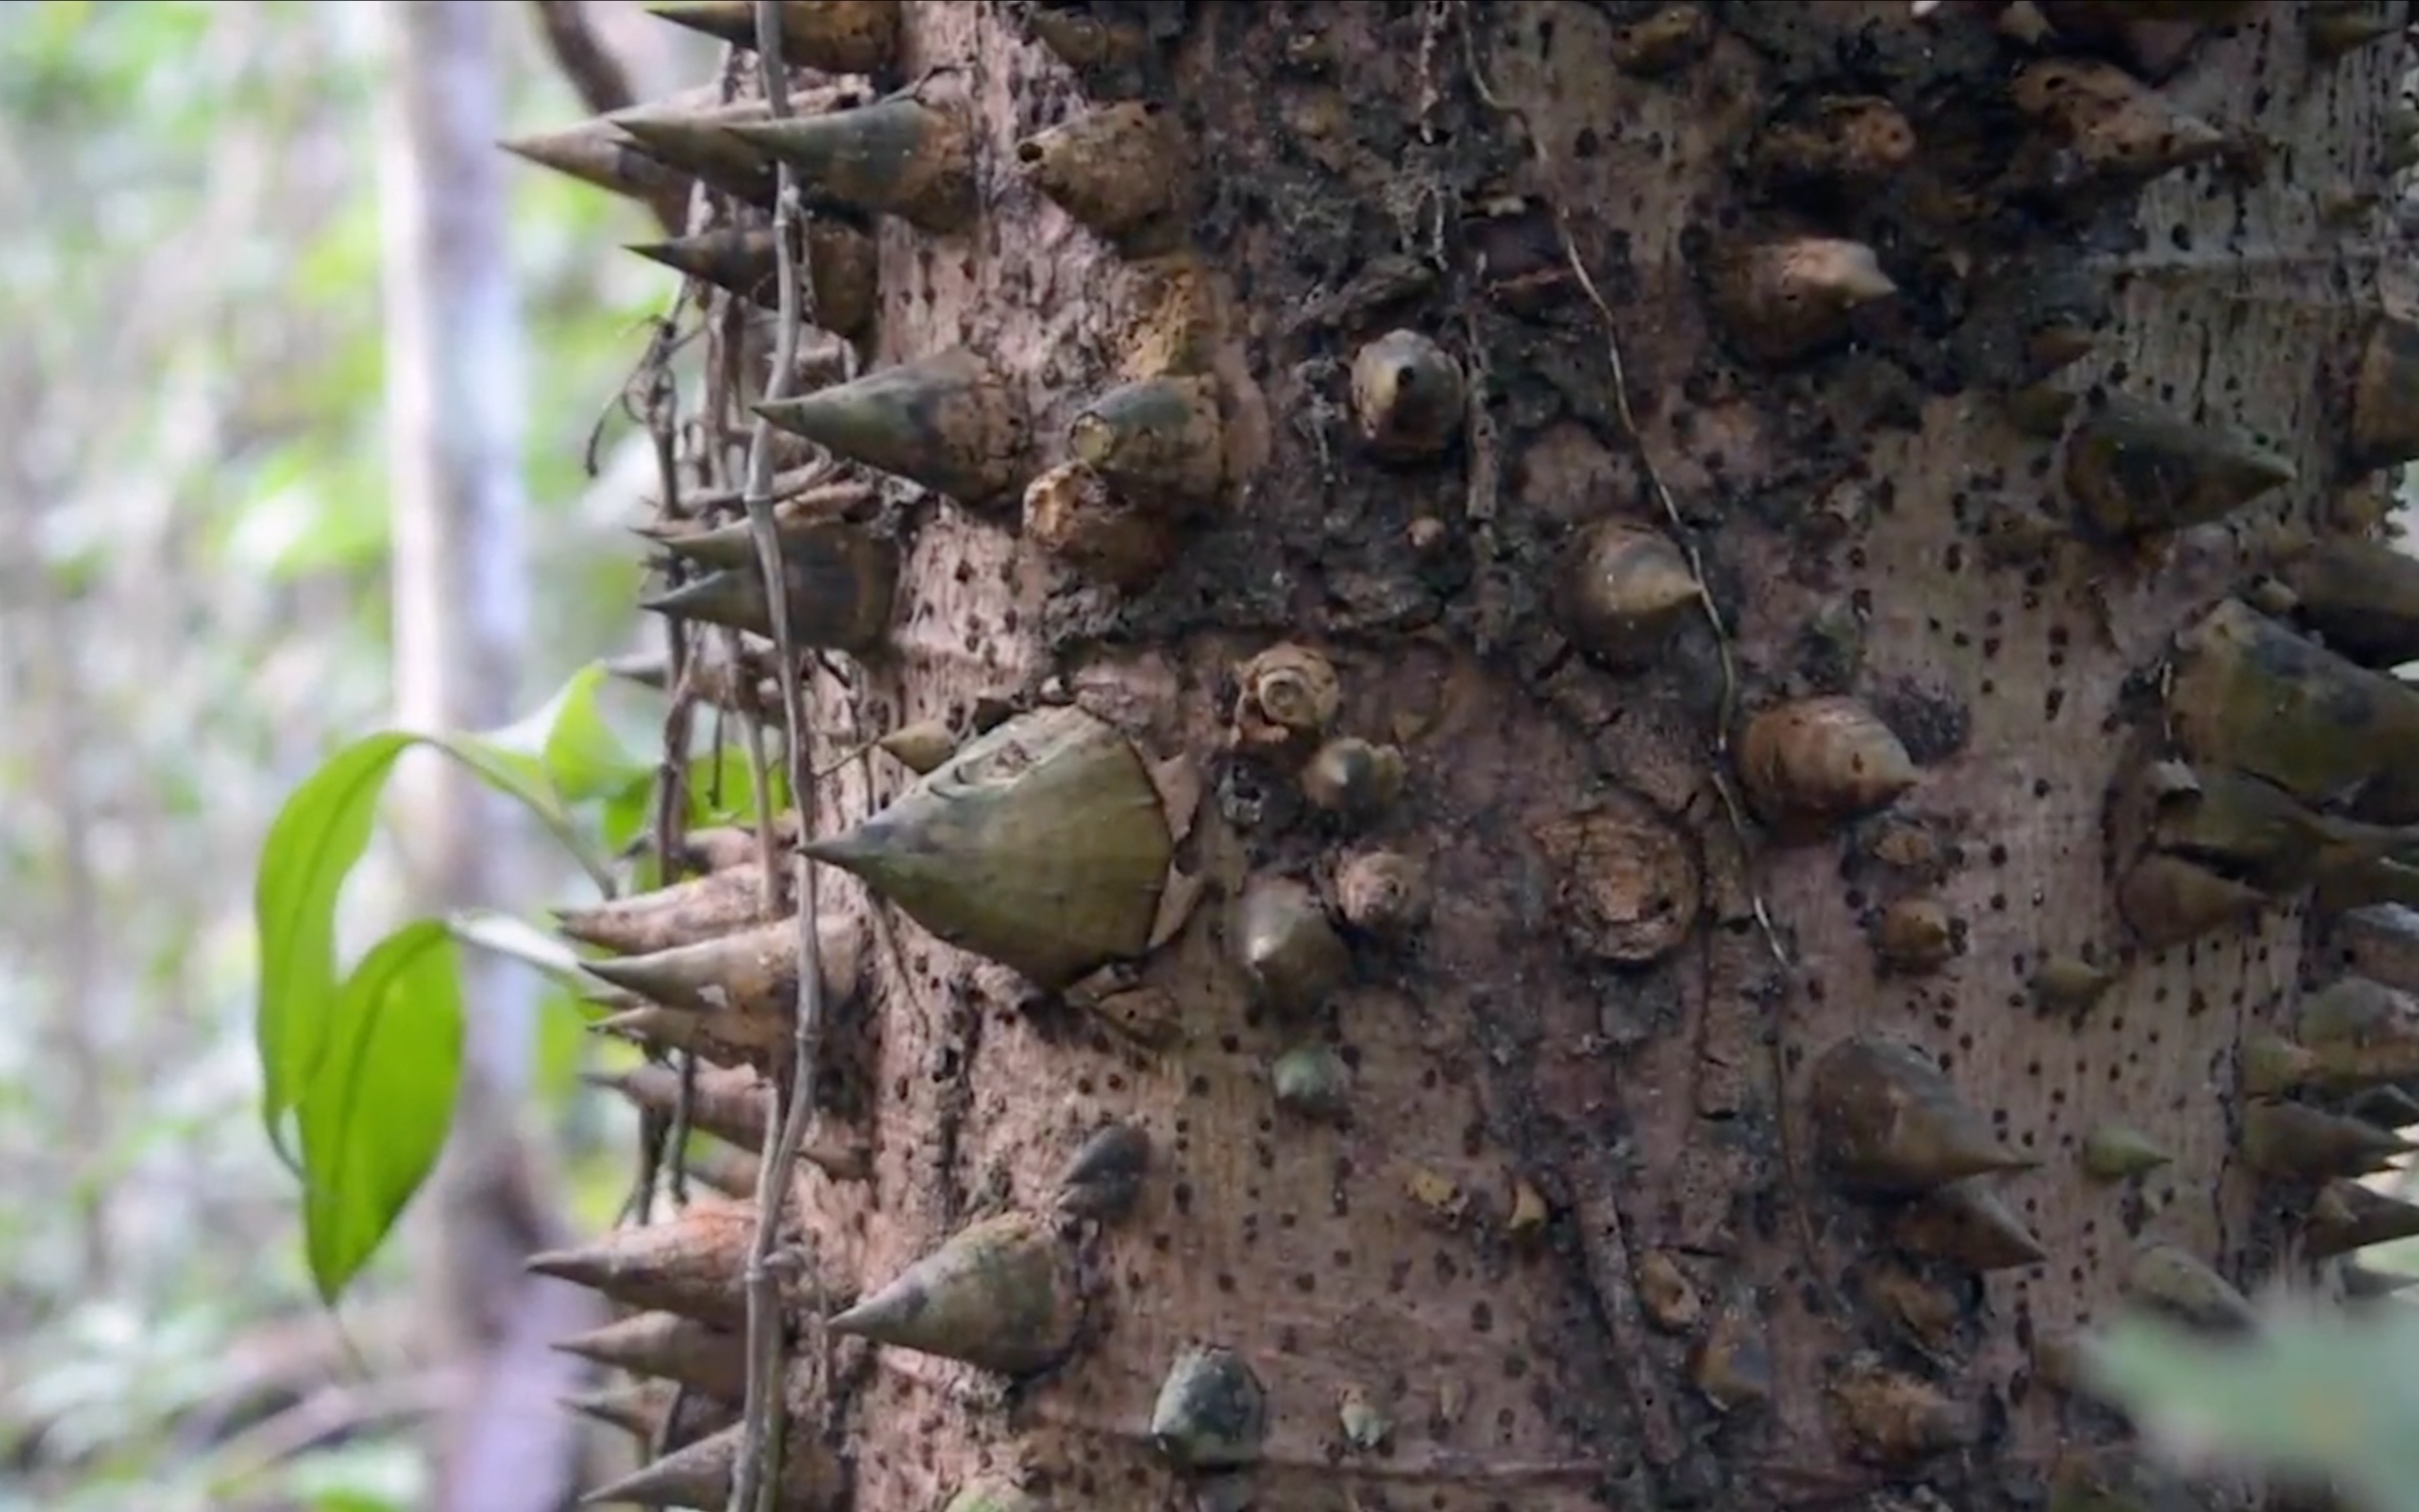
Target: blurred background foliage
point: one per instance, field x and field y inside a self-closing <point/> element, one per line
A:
<point x="194" y="614"/>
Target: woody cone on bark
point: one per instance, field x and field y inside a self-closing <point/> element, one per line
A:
<point x="1551" y="755"/>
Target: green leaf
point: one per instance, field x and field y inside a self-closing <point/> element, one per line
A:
<point x="311" y="848"/>
<point x="506" y="769"/>
<point x="313" y="845"/>
<point x="2310" y="1394"/>
<point x="628" y="814"/>
<point x="516" y="939"/>
<point x="523" y="775"/>
<point x="563" y="1045"/>
<point x="722" y="788"/>
<point x="374" y="1117"/>
<point x="583" y="754"/>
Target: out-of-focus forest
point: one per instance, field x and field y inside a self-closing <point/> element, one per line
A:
<point x="195" y="609"/>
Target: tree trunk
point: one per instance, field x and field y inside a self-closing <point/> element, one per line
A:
<point x="461" y="607"/>
<point x="1824" y="745"/>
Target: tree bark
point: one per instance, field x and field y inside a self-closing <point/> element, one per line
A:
<point x="1614" y="1183"/>
<point x="461" y="604"/>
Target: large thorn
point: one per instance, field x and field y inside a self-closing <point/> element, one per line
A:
<point x="2360" y="1033"/>
<point x="1895" y="1418"/>
<point x="1887" y="1121"/>
<point x="693" y="1263"/>
<point x="746" y="261"/>
<point x="687" y="132"/>
<point x="829" y="36"/>
<point x="697" y="1476"/>
<point x="999" y="1294"/>
<point x="2105" y="124"/>
<point x="665" y="1344"/>
<point x="1105" y="1175"/>
<point x="1042" y="845"/>
<point x="2246" y="827"/>
<point x="1279" y="936"/>
<point x="1783" y="300"/>
<point x="2135" y="468"/>
<point x="685" y="914"/>
<point x="746" y="981"/>
<point x="597" y="154"/>
<point x="796" y="511"/>
<point x="2247" y="692"/>
<point x="2385" y="397"/>
<point x="806" y="491"/>
<point x="1158" y="443"/>
<point x="701" y="1474"/>
<point x="1118" y="169"/>
<point x="2167" y="899"/>
<point x="725" y="846"/>
<point x="1211" y="1414"/>
<point x="944" y="422"/>
<point x="1812" y="761"/>
<point x="838" y="579"/>
<point x="721" y="1168"/>
<point x="2117" y="1152"/>
<point x="2362" y="597"/>
<point x="731" y="1103"/>
<point x="648" y="1409"/>
<point x="2347" y="1215"/>
<point x="2171" y="1281"/>
<point x="897" y="156"/>
<point x="709" y="679"/>
<point x="1968" y="1224"/>
<point x="1623" y="590"/>
<point x="668" y="1029"/>
<point x="2299" y="1143"/>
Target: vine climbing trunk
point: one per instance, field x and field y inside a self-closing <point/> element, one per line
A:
<point x="1577" y="755"/>
<point x="461" y="604"/>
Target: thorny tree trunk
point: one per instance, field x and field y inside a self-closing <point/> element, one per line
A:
<point x="1576" y="1195"/>
<point x="461" y="602"/>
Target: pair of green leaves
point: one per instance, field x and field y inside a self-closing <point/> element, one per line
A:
<point x="359" y="1067"/>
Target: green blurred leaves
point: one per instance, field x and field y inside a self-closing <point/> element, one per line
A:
<point x="366" y="1063"/>
<point x="2312" y="1394"/>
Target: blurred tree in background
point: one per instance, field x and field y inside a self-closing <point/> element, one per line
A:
<point x="196" y="609"/>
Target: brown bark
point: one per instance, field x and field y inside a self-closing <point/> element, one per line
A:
<point x="1589" y="1204"/>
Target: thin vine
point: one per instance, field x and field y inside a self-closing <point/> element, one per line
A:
<point x="659" y="411"/>
<point x="755" y="1486"/>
